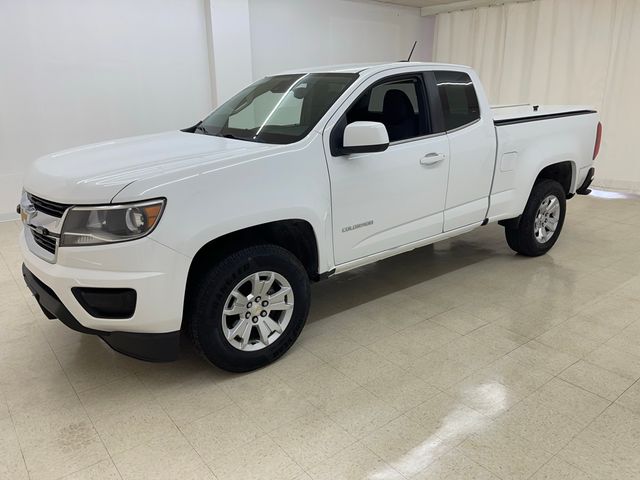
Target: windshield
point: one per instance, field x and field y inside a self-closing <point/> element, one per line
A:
<point x="279" y="109"/>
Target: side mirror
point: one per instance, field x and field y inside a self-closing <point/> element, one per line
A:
<point x="365" y="137"/>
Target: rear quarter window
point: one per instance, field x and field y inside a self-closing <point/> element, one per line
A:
<point x="458" y="98"/>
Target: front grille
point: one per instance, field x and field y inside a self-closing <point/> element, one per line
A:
<point x="44" y="241"/>
<point x="47" y="206"/>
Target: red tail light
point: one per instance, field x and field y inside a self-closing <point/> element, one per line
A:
<point x="596" y="149"/>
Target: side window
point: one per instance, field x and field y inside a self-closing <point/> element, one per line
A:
<point x="399" y="104"/>
<point x="458" y="98"/>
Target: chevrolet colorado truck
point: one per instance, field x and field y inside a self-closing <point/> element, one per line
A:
<point x="217" y="230"/>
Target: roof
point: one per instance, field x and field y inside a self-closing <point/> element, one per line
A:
<point x="361" y="67"/>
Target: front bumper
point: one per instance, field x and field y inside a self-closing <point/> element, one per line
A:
<point x="153" y="347"/>
<point x="156" y="273"/>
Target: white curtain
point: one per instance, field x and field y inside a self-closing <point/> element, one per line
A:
<point x="559" y="52"/>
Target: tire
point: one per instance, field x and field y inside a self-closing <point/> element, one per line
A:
<point x="525" y="238"/>
<point x="208" y="320"/>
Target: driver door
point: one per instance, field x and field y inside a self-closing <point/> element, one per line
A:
<point x="388" y="199"/>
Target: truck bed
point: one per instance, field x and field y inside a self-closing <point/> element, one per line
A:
<point x="528" y="140"/>
<point x="510" y="114"/>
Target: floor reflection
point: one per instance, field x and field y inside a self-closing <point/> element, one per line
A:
<point x="456" y="426"/>
<point x="606" y="194"/>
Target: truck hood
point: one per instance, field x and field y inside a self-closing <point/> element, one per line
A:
<point x="96" y="173"/>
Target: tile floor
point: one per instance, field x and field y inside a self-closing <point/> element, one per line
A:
<point x="457" y="361"/>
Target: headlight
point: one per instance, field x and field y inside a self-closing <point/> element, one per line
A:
<point x="110" y="223"/>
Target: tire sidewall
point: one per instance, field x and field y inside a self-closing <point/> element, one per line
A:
<point x="219" y="284"/>
<point x="541" y="191"/>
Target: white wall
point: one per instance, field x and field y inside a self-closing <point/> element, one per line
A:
<point x="230" y="47"/>
<point x="288" y="34"/>
<point x="74" y="72"/>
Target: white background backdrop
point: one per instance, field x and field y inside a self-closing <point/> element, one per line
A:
<point x="74" y="72"/>
<point x="559" y="51"/>
<point x="293" y="33"/>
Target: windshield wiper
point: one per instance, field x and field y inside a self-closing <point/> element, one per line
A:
<point x="201" y="129"/>
<point x="235" y="137"/>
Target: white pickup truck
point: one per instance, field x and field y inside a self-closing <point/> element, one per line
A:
<point x="217" y="230"/>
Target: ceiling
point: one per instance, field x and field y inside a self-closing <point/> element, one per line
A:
<point x="432" y="7"/>
<point x="420" y="3"/>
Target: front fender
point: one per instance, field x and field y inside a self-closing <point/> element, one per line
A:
<point x="203" y="205"/>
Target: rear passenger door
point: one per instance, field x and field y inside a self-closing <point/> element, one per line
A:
<point x="472" y="144"/>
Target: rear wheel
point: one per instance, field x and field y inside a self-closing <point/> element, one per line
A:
<point x="250" y="308"/>
<point x="541" y="222"/>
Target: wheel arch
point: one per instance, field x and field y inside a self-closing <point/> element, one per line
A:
<point x="295" y="235"/>
<point x="562" y="172"/>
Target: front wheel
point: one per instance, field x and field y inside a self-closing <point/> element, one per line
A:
<point x="541" y="222"/>
<point x="249" y="309"/>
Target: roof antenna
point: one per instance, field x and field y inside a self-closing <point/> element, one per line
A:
<point x="411" y="52"/>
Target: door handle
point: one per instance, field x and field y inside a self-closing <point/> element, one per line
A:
<point x="432" y="158"/>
